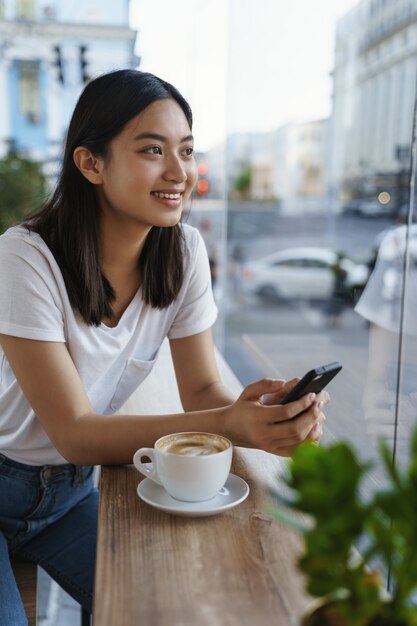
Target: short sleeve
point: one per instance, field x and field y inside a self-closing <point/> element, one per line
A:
<point x="386" y="298"/>
<point x="29" y="296"/>
<point x="373" y="307"/>
<point x="197" y="311"/>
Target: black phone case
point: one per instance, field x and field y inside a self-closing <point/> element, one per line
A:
<point x="314" y="381"/>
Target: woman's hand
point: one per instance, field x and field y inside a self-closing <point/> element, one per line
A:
<point x="257" y="420"/>
<point x="316" y="432"/>
<point x="277" y="396"/>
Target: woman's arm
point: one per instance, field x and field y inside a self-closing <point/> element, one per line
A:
<point x="198" y="377"/>
<point x="52" y="386"/>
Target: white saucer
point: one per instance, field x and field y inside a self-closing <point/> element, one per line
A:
<point x="233" y="493"/>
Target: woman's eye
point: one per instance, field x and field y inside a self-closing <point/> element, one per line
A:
<point x="189" y="151"/>
<point x="153" y="150"/>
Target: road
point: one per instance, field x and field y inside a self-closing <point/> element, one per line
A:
<point x="354" y="236"/>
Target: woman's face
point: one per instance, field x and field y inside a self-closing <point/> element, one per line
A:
<point x="150" y="171"/>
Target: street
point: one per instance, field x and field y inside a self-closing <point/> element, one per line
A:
<point x="352" y="235"/>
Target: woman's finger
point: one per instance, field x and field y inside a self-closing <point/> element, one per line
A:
<point x="286" y="447"/>
<point x="295" y="431"/>
<point x="316" y="432"/>
<point x="284" y="412"/>
<point x="324" y="397"/>
<point x="254" y="391"/>
<point x="272" y="398"/>
<point x="278" y="396"/>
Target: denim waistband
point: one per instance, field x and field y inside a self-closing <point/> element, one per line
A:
<point x="47" y="473"/>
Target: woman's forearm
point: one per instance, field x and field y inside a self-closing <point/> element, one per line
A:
<point x="213" y="396"/>
<point x="113" y="439"/>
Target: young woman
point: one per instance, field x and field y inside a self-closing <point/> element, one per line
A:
<point x="89" y="289"/>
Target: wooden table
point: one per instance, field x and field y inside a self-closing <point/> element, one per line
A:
<point x="236" y="568"/>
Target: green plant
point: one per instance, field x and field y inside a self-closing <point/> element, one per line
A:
<point x="325" y="486"/>
<point x="243" y="180"/>
<point x="22" y="188"/>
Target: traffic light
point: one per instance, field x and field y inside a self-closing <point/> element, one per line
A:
<point x="83" y="64"/>
<point x="58" y="63"/>
<point x="202" y="187"/>
<point x="202" y="183"/>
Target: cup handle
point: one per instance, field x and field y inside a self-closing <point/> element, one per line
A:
<point x="144" y="469"/>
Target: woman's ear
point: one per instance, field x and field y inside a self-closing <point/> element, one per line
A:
<point x="90" y="166"/>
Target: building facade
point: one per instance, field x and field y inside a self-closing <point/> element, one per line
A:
<point x="300" y="152"/>
<point x="374" y="91"/>
<point x="49" y="49"/>
<point x="286" y="166"/>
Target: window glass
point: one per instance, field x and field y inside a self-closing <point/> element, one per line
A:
<point x="29" y="91"/>
<point x="338" y="184"/>
<point x="328" y="186"/>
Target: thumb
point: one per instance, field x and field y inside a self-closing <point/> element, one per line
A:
<point x="255" y="390"/>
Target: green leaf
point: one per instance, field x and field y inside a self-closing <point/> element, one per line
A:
<point x="325" y="487"/>
<point x="22" y="188"/>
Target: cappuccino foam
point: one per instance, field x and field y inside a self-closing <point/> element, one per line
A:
<point x="193" y="445"/>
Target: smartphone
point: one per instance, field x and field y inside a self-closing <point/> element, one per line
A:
<point x="314" y="381"/>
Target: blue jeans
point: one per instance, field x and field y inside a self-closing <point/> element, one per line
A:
<point x="48" y="514"/>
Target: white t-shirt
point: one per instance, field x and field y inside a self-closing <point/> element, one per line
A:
<point x="111" y="362"/>
<point x="381" y="302"/>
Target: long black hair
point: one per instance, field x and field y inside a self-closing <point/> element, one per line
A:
<point x="69" y="221"/>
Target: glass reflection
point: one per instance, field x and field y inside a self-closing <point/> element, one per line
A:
<point x="309" y="227"/>
<point x="390" y="304"/>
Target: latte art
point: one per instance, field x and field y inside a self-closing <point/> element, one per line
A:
<point x="190" y="466"/>
<point x="193" y="448"/>
<point x="194" y="445"/>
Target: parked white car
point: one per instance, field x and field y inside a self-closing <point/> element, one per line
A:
<point x="300" y="273"/>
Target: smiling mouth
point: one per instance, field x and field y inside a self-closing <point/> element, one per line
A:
<point x="168" y="196"/>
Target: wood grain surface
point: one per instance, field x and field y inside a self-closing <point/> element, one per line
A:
<point x="236" y="568"/>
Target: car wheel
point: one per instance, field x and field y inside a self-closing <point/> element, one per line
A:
<point x="268" y="293"/>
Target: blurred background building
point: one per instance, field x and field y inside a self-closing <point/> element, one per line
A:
<point x="285" y="167"/>
<point x="49" y="49"/>
<point x="374" y="84"/>
<point x="357" y="160"/>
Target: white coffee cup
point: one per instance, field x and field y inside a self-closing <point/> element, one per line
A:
<point x="191" y="466"/>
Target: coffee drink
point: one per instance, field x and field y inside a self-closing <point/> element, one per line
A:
<point x="193" y="444"/>
<point x="190" y="466"/>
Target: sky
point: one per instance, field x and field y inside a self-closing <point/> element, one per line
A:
<point x="244" y="65"/>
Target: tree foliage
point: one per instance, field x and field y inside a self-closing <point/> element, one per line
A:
<point x="243" y="181"/>
<point x="22" y="188"/>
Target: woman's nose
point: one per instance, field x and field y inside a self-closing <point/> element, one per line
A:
<point x="175" y="170"/>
